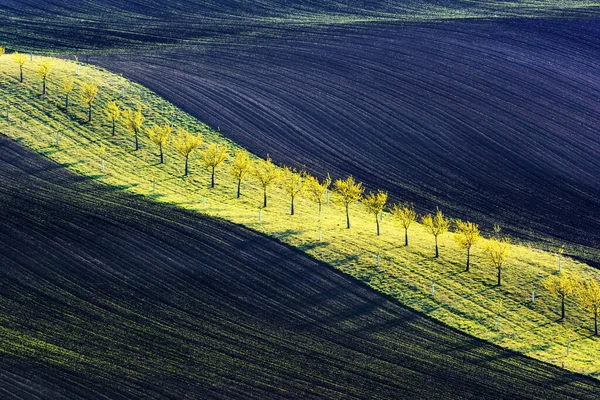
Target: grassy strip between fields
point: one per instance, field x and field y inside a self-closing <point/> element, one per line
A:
<point x="465" y="300"/>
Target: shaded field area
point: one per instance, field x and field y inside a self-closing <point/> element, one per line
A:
<point x="56" y="25"/>
<point x="105" y="295"/>
<point x="495" y="121"/>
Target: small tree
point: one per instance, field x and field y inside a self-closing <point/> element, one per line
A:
<point x="212" y="157"/>
<point x="43" y="72"/>
<point x="466" y="235"/>
<point x="560" y="286"/>
<point x="160" y="136"/>
<point x="317" y="190"/>
<point x="2" y="51"/>
<point x="497" y="231"/>
<point x="89" y="91"/>
<point x="438" y="225"/>
<point x="112" y="112"/>
<point x="67" y="88"/>
<point x="374" y="204"/>
<point x="405" y="214"/>
<point x="267" y="174"/>
<point x="133" y="121"/>
<point x="348" y="191"/>
<point x="20" y="59"/>
<point x="240" y="166"/>
<point x="185" y="143"/>
<point x="497" y="252"/>
<point x="588" y="293"/>
<point x="293" y="183"/>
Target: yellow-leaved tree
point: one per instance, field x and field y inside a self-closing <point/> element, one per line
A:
<point x="374" y="204"/>
<point x="405" y="214"/>
<point x="66" y="88"/>
<point x="240" y="166"/>
<point x="160" y="136"/>
<point x="89" y="92"/>
<point x="496" y="253"/>
<point x="317" y="190"/>
<point x="588" y="293"/>
<point x="112" y="112"/>
<point x="466" y="235"/>
<point x="212" y="157"/>
<point x="186" y="143"/>
<point x="561" y="286"/>
<point x="292" y="182"/>
<point x="133" y="121"/>
<point x="436" y="224"/>
<point x="267" y="174"/>
<point x="43" y="72"/>
<point x="20" y="59"/>
<point x="2" y="50"/>
<point x="348" y="192"/>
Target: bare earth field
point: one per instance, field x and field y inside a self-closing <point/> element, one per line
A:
<point x="104" y="295"/>
<point x="493" y="120"/>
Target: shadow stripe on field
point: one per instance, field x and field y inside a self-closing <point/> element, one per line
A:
<point x="106" y="295"/>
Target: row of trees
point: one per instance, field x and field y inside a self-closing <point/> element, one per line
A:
<point x="586" y="291"/>
<point x="88" y="90"/>
<point x="295" y="183"/>
<point x="347" y="192"/>
<point x="300" y="183"/>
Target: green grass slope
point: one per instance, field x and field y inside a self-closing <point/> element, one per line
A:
<point x="467" y="301"/>
<point x="107" y="295"/>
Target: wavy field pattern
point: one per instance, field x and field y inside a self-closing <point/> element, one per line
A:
<point x="108" y="24"/>
<point x="494" y="121"/>
<point x="186" y="306"/>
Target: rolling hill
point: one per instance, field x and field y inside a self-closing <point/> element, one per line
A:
<point x="58" y="25"/>
<point x="465" y="105"/>
<point x="106" y="295"/>
<point x="492" y="120"/>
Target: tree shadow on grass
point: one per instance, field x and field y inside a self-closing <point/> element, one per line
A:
<point x="71" y="164"/>
<point x="285" y="234"/>
<point x="155" y="196"/>
<point x="125" y="187"/>
<point x="313" y="245"/>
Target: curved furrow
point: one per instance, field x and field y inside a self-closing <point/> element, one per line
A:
<point x="494" y="120"/>
<point x="104" y="294"/>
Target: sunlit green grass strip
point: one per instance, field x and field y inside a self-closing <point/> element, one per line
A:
<point x="466" y="301"/>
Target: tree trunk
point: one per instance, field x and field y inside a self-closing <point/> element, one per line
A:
<point x="596" y="323"/>
<point x="437" y="252"/>
<point x="347" y="217"/>
<point x="137" y="145"/>
<point x="212" y="178"/>
<point x="21" y="78"/>
<point x="113" y="127"/>
<point x="499" y="275"/>
<point x="67" y="102"/>
<point x="90" y="113"/>
<point x="162" y="156"/>
<point x="406" y="236"/>
<point x="562" y="308"/>
<point x="468" y="259"/>
<point x="264" y="197"/>
<point x="239" y="188"/>
<point x="43" y="86"/>
<point x="377" y="220"/>
<point x="186" y="166"/>
<point x="292" y="210"/>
